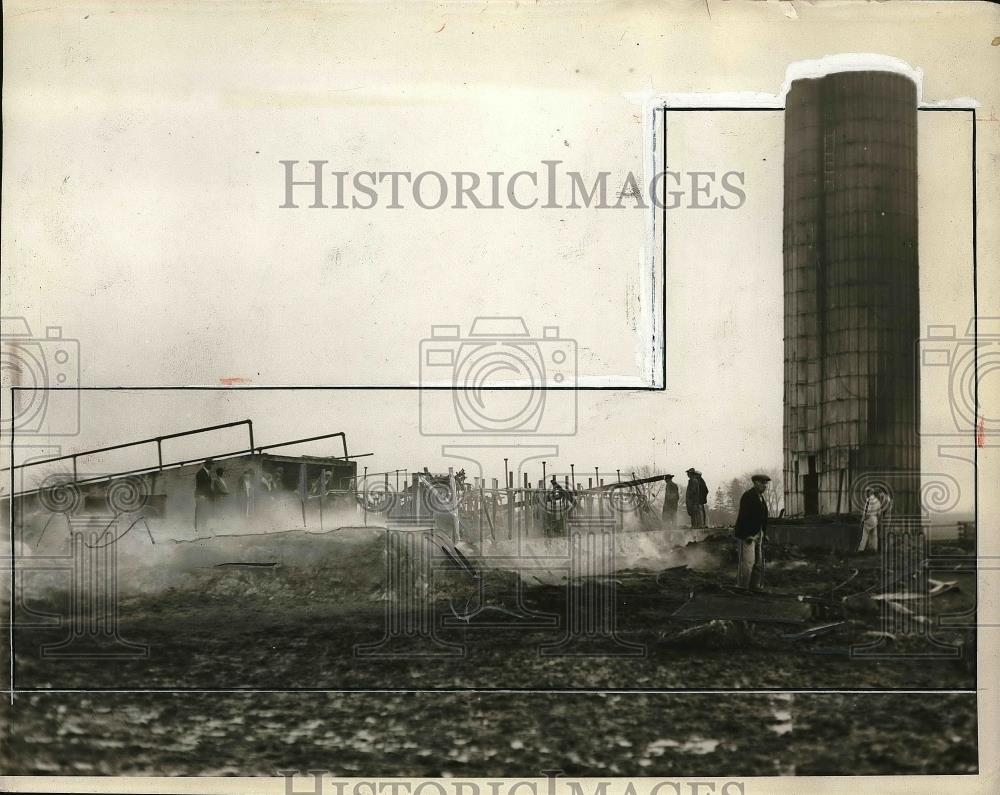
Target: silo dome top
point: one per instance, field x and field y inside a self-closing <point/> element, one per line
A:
<point x="850" y="62"/>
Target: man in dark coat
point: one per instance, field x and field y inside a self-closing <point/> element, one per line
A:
<point x="671" y="498"/>
<point x="751" y="527"/>
<point x="692" y="498"/>
<point x="702" y="498"/>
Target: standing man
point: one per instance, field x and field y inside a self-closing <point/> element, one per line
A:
<point x="702" y="498"/>
<point x="751" y="527"/>
<point x="278" y="479"/>
<point x="220" y="489"/>
<point x="246" y="489"/>
<point x="692" y="497"/>
<point x="321" y="485"/>
<point x="671" y="497"/>
<point x="202" y="491"/>
<point x="869" y="522"/>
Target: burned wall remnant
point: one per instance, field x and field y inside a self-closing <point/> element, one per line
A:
<point x="851" y="291"/>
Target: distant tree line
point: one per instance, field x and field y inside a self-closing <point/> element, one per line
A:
<point x="724" y="505"/>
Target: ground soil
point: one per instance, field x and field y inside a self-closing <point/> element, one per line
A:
<point x="490" y="696"/>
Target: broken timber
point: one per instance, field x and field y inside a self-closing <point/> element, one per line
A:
<point x="753" y="608"/>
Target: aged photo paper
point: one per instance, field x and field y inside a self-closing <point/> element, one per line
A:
<point x="491" y="398"/>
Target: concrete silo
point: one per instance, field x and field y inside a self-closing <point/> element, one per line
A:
<point x="851" y="291"/>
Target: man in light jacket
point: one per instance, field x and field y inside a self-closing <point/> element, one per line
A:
<point x="869" y="522"/>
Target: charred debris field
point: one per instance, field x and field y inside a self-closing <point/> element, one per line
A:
<point x="494" y="681"/>
<point x="824" y="622"/>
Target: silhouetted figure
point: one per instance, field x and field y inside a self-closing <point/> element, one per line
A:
<point x="702" y="498"/>
<point x="321" y="485"/>
<point x="202" y="492"/>
<point x="692" y="498"/>
<point x="671" y="499"/>
<point x="219" y="491"/>
<point x="266" y="480"/>
<point x="246" y="491"/>
<point x="278" y="480"/>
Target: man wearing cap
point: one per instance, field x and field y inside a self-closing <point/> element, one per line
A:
<point x="671" y="498"/>
<point x="869" y="522"/>
<point x="751" y="526"/>
<point x="692" y="497"/>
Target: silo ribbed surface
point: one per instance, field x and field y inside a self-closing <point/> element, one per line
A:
<point x="851" y="291"/>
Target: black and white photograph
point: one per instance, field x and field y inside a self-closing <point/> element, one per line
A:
<point x="484" y="398"/>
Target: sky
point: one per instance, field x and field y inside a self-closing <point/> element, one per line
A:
<point x="141" y="168"/>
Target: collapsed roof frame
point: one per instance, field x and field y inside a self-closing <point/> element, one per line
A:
<point x="161" y="465"/>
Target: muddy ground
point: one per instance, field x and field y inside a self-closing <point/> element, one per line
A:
<point x="491" y="696"/>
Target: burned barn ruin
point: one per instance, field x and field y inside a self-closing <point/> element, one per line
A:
<point x="256" y="487"/>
